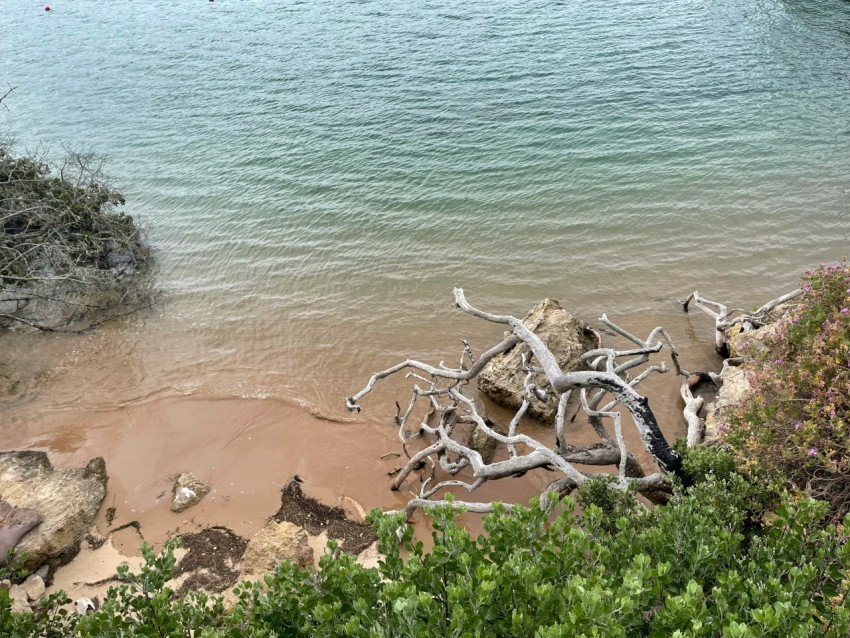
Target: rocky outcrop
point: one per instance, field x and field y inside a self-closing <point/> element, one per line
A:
<point x="734" y="391"/>
<point x="275" y="543"/>
<point x="67" y="500"/>
<point x="503" y="378"/>
<point x="187" y="491"/>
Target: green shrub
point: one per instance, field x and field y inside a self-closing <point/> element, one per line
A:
<point x="695" y="567"/>
<point x="793" y="432"/>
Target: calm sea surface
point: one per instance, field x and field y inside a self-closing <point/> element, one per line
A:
<point x="316" y="176"/>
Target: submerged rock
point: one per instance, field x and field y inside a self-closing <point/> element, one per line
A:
<point x="188" y="490"/>
<point x="503" y="378"/>
<point x="67" y="500"/>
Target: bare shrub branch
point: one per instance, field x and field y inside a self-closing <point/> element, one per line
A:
<point x="68" y="257"/>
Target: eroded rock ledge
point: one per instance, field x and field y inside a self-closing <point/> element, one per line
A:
<point x="57" y="506"/>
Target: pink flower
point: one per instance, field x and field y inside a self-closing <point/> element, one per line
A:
<point x="812" y="452"/>
<point x="845" y="310"/>
<point x="798" y="425"/>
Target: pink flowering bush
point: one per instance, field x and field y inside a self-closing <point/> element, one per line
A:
<point x="794" y="429"/>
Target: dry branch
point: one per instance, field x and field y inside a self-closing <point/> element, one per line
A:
<point x="724" y="319"/>
<point x="67" y="255"/>
<point x="608" y="394"/>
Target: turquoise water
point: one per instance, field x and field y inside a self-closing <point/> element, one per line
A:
<point x="317" y="175"/>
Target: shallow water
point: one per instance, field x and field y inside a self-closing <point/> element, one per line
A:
<point x="316" y="176"/>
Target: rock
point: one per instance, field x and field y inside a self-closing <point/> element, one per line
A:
<point x="34" y="587"/>
<point x="20" y="602"/>
<point x="485" y="445"/>
<point x="15" y="522"/>
<point x="735" y="390"/>
<point x="66" y="499"/>
<point x="5" y="584"/>
<point x="275" y="543"/>
<point x="188" y="490"/>
<point x="503" y="378"/>
<point x="751" y="343"/>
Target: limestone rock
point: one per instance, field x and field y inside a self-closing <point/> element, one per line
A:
<point x="188" y="490"/>
<point x="503" y="377"/>
<point x="735" y="390"/>
<point x="751" y="342"/>
<point x="20" y="602"/>
<point x="275" y="543"/>
<point x="66" y="499"/>
<point x="34" y="587"/>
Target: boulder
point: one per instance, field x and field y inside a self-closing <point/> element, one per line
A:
<point x="274" y="544"/>
<point x="67" y="500"/>
<point x="735" y="390"/>
<point x="188" y="490"/>
<point x="503" y="378"/>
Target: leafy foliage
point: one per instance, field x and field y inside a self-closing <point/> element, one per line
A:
<point x="794" y="430"/>
<point x="695" y="567"/>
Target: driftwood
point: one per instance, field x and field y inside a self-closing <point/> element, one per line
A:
<point x="607" y="393"/>
<point x="724" y="319"/>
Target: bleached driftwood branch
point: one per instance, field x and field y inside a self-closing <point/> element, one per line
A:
<point x="607" y="394"/>
<point x="724" y="319"/>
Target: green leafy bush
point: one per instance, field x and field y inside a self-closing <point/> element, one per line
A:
<point x="695" y="567"/>
<point x="794" y="432"/>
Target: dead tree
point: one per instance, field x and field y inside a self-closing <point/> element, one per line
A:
<point x="607" y="394"/>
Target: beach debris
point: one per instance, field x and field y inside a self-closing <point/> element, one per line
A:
<point x="315" y="517"/>
<point x="188" y="490"/>
<point x="211" y="560"/>
<point x="84" y="606"/>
